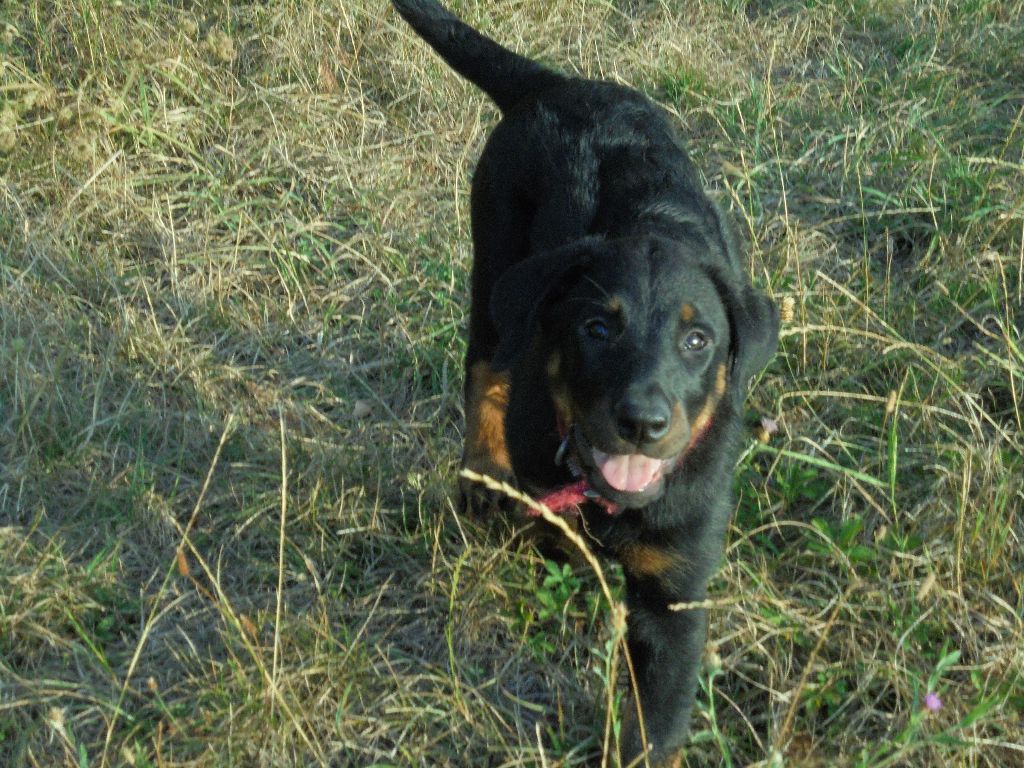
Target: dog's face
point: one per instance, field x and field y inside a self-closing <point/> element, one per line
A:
<point x="637" y="357"/>
<point x="640" y="344"/>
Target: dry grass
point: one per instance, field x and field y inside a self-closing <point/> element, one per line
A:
<point x="233" y="256"/>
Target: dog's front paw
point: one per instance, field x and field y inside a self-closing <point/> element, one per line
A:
<point x="476" y="497"/>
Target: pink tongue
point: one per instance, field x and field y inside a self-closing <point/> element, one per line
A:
<point x="630" y="473"/>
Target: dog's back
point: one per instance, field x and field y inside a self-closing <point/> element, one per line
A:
<point x="593" y="157"/>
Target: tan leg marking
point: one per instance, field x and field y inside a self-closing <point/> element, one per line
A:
<point x="648" y="560"/>
<point x="485" y="419"/>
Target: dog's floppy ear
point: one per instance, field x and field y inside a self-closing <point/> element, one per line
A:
<point x="757" y="334"/>
<point x="524" y="288"/>
<point x="754" y="326"/>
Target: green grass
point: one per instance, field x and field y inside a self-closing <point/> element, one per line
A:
<point x="233" y="278"/>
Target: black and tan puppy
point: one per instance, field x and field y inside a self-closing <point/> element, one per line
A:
<point x="612" y="333"/>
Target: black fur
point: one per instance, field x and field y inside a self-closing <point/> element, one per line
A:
<point x="612" y="290"/>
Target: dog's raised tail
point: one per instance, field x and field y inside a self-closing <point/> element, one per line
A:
<point x="503" y="75"/>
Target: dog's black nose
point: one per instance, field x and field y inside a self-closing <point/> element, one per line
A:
<point x="643" y="420"/>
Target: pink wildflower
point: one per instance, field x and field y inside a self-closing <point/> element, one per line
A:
<point x="932" y="702"/>
<point x="766" y="428"/>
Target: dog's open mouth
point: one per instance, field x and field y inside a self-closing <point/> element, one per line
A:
<point x="627" y="479"/>
<point x="629" y="473"/>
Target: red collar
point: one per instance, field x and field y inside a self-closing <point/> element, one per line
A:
<point x="569" y="498"/>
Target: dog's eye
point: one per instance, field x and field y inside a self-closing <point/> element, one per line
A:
<point x="695" y="341"/>
<point x="597" y="329"/>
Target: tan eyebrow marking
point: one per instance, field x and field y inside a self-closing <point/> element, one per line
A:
<point x="614" y="305"/>
<point x="687" y="312"/>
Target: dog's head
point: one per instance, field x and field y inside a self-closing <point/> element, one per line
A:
<point x="642" y="339"/>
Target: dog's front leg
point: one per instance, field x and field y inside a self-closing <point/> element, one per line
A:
<point x="665" y="646"/>
<point x="484" y="450"/>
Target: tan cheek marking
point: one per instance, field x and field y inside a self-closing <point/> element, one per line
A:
<point x="614" y="305"/>
<point x="704" y="416"/>
<point x="559" y="391"/>
<point x="720" y="380"/>
<point x="554" y="366"/>
<point x="708" y="409"/>
<point x="485" y="418"/>
<point x="687" y="313"/>
<point x="647" y="560"/>
<point x="563" y="404"/>
<point x="678" y="422"/>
